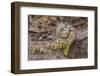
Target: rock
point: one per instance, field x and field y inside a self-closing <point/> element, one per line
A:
<point x="81" y="34"/>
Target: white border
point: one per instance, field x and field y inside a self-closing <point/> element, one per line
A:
<point x="25" y="64"/>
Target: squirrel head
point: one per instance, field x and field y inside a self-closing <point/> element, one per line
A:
<point x="63" y="30"/>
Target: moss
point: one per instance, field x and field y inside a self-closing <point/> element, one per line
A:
<point x="66" y="49"/>
<point x="63" y="46"/>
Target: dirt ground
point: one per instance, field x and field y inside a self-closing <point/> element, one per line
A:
<point x="42" y="31"/>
